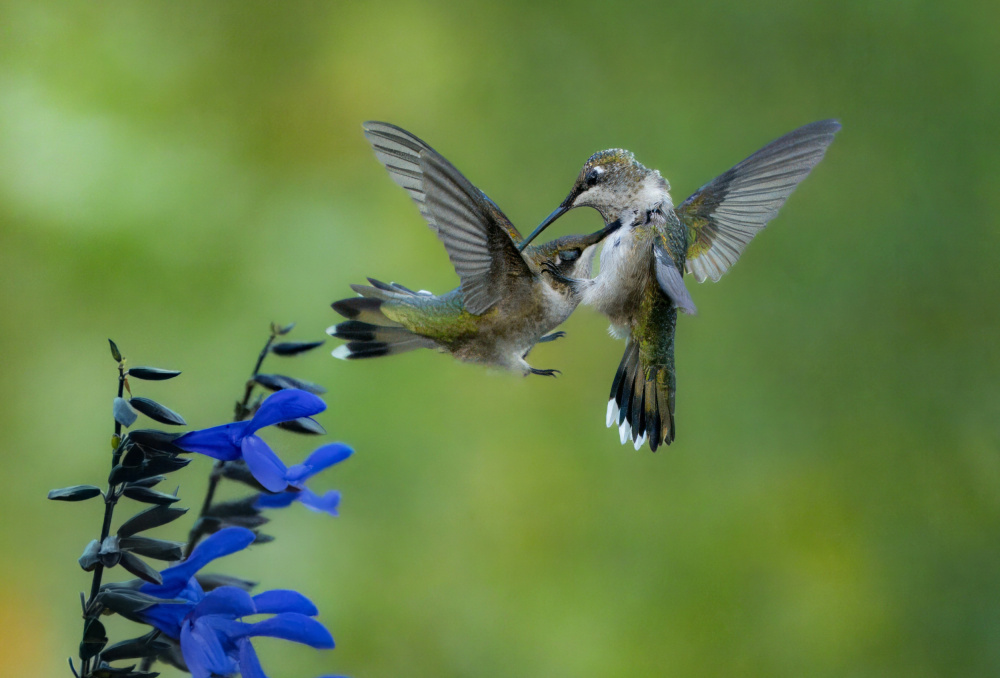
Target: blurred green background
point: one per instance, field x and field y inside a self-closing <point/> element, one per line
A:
<point x="177" y="175"/>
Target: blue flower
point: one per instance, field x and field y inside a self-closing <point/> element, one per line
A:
<point x="213" y="637"/>
<point x="239" y="439"/>
<point x="296" y="476"/>
<point x="214" y="640"/>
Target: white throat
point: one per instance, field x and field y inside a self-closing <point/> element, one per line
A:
<point x="654" y="192"/>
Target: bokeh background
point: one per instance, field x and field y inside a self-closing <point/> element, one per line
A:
<point x="177" y="175"/>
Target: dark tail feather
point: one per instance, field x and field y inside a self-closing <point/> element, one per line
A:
<point x="391" y="287"/>
<point x="368" y="332"/>
<point x="642" y="401"/>
<point x="362" y="309"/>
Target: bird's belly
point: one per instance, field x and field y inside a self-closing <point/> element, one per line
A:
<point x="505" y="333"/>
<point x="617" y="290"/>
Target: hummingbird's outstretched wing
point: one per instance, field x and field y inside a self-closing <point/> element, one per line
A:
<point x="399" y="152"/>
<point x="726" y="213"/>
<point x="475" y="233"/>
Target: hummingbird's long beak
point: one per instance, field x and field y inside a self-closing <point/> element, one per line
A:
<point x="559" y="211"/>
<point x="600" y="235"/>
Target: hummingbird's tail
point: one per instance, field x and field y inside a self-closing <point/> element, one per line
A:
<point x="369" y="333"/>
<point x="642" y="399"/>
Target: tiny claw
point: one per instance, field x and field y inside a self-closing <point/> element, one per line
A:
<point x="553" y="270"/>
<point x="545" y="373"/>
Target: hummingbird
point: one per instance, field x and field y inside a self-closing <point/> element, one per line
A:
<point x="640" y="285"/>
<point x="507" y="301"/>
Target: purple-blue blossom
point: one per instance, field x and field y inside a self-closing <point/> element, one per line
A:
<point x="213" y="637"/>
<point x="296" y="476"/>
<point x="239" y="440"/>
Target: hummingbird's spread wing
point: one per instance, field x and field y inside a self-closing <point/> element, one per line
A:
<point x="475" y="233"/>
<point x="726" y="213"/>
<point x="399" y="152"/>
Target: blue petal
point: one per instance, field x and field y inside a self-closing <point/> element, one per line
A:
<point x="274" y="501"/>
<point x="226" y="600"/>
<point x="284" y="406"/>
<point x="249" y="664"/>
<point x="219" y="442"/>
<point x="228" y="631"/>
<point x="222" y="543"/>
<point x="328" y="503"/>
<point x="295" y="627"/>
<point x="274" y="602"/>
<point x="264" y="464"/>
<point x="322" y="458"/>
<point x="190" y="591"/>
<point x="167" y="617"/>
<point x="202" y="652"/>
<point x="297" y="473"/>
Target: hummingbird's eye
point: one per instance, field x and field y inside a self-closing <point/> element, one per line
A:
<point x="593" y="176"/>
<point x="570" y="255"/>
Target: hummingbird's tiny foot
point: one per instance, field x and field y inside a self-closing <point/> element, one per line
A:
<point x="545" y="373"/>
<point x="552" y="337"/>
<point x="553" y="270"/>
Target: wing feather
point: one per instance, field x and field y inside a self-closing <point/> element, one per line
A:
<point x="399" y="152"/>
<point x="725" y="214"/>
<point x="475" y="233"/>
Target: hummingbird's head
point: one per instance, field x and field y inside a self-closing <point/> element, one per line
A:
<point x="571" y="256"/>
<point x="614" y="183"/>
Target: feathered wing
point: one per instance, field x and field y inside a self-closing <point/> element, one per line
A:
<point x="725" y="214"/>
<point x="399" y="152"/>
<point x="475" y="233"/>
<point x="668" y="262"/>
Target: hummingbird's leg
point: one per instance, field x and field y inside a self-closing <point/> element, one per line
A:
<point x="551" y="337"/>
<point x="547" y="337"/>
<point x="545" y="373"/>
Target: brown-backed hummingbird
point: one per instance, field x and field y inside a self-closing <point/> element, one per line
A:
<point x="507" y="301"/>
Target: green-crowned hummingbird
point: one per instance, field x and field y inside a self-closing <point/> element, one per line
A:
<point x="640" y="285"/>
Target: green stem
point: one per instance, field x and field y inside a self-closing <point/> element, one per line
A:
<point x="198" y="531"/>
<point x="110" y="499"/>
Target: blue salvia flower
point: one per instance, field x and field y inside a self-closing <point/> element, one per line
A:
<point x="239" y="440"/>
<point x="296" y="476"/>
<point x="213" y="638"/>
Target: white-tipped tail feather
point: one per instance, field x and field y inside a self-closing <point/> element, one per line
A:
<point x="369" y="333"/>
<point x="624" y="432"/>
<point x="641" y="401"/>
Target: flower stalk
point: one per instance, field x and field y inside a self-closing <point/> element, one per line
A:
<point x="241" y="412"/>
